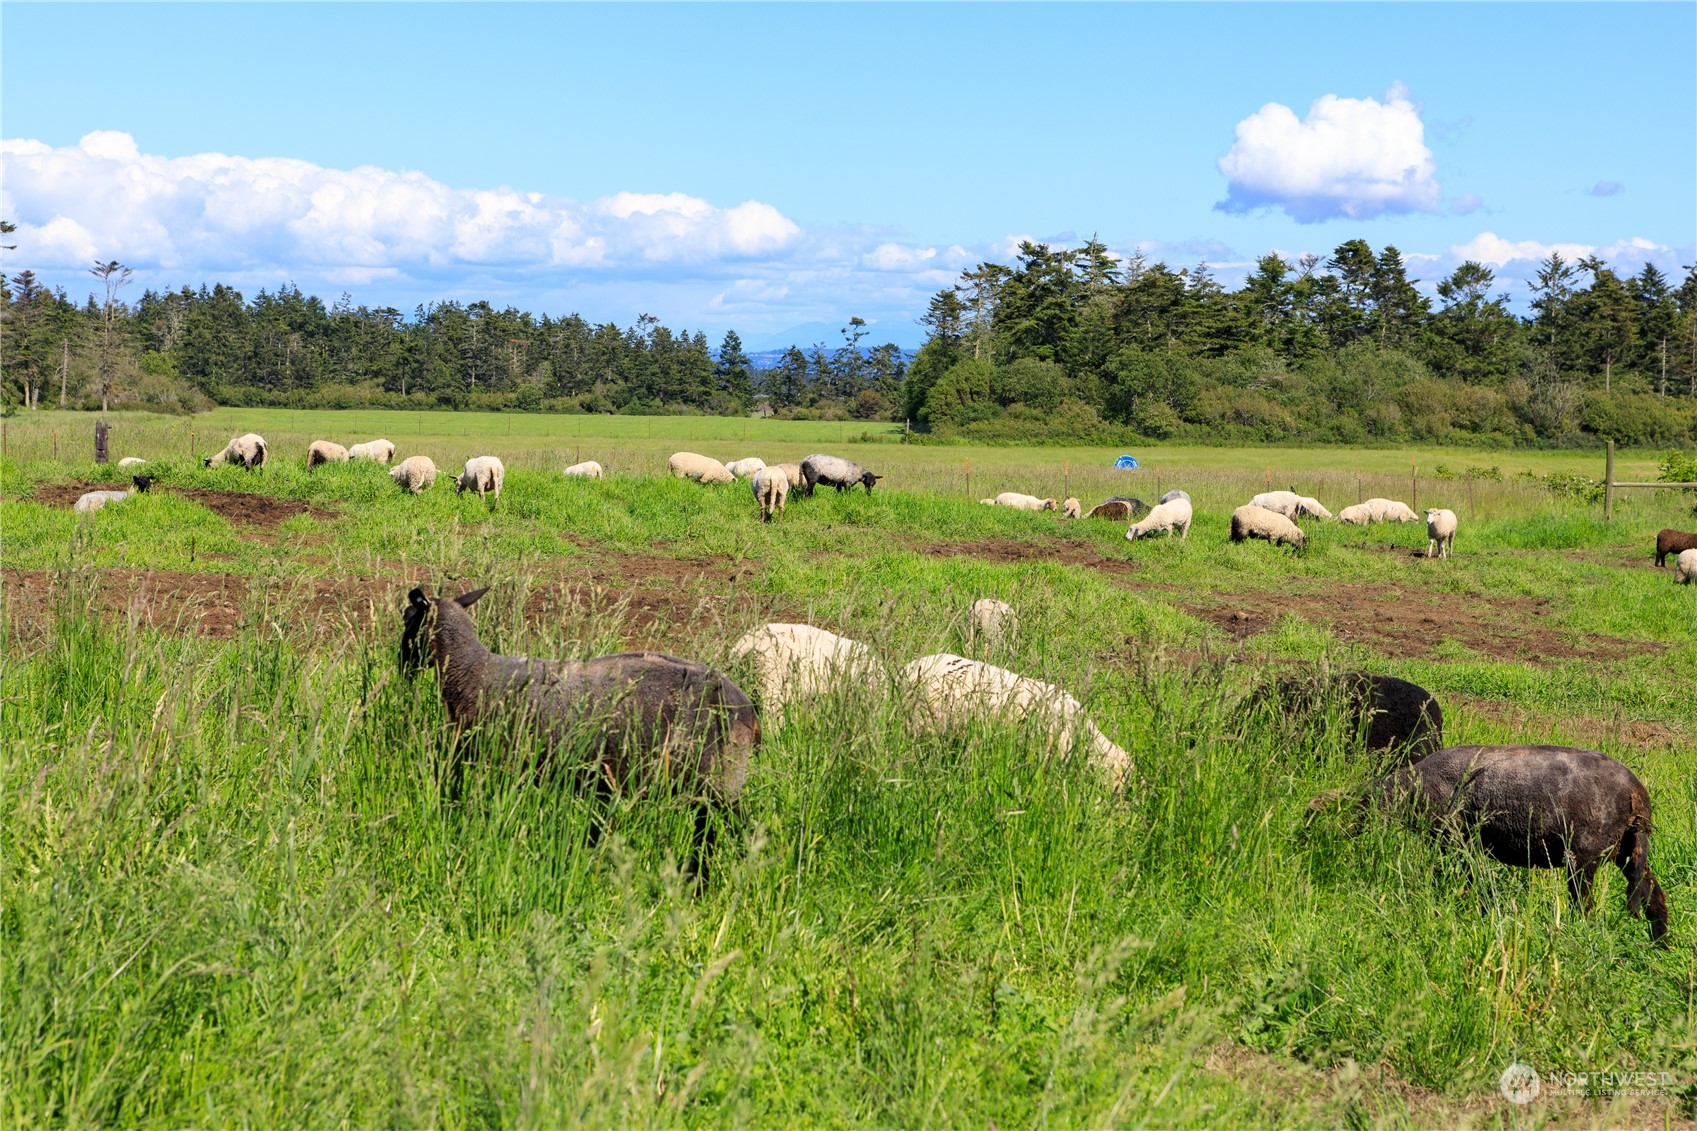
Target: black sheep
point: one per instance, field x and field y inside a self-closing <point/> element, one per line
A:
<point x="1673" y="542"/>
<point x="1394" y="715"/>
<point x="1539" y="807"/>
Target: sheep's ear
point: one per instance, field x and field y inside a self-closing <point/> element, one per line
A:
<point x="417" y="598"/>
<point x="467" y="600"/>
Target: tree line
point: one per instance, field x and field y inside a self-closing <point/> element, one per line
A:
<point x="1062" y="344"/>
<point x="1075" y="342"/>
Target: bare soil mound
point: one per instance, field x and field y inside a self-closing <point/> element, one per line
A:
<point x="235" y="506"/>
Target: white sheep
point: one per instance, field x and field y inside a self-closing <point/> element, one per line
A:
<point x="416" y="473"/>
<point x="794" y="662"/>
<point x="130" y="461"/>
<point x="1250" y="521"/>
<point x="1360" y="514"/>
<point x="1072" y="508"/>
<point x="1021" y="502"/>
<point x="1685" y="567"/>
<point x="485" y="473"/>
<point x="1168" y="516"/>
<point x="324" y="451"/>
<point x="771" y="491"/>
<point x="1279" y="502"/>
<point x="791" y="472"/>
<point x="248" y="450"/>
<point x="701" y="469"/>
<point x="954" y="690"/>
<point x="94" y="500"/>
<point x="745" y="468"/>
<point x="1311" y="508"/>
<point x="1440" y="532"/>
<point x="1389" y="510"/>
<point x="588" y="469"/>
<point x="992" y="623"/>
<point x="378" y="451"/>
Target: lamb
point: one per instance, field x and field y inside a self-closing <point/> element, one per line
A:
<point x="1357" y="515"/>
<point x="834" y="471"/>
<point x="588" y="469"/>
<point x="416" y="473"/>
<point x="771" y="491"/>
<point x="642" y="714"/>
<point x="486" y="473"/>
<point x="1440" y="532"/>
<point x="701" y="469"/>
<point x="130" y="461"/>
<point x="1072" y="508"/>
<point x="1020" y="502"/>
<point x="378" y="451"/>
<point x="1170" y="516"/>
<point x="247" y="450"/>
<point x="1685" y="567"/>
<point x="1250" y="521"/>
<point x="1537" y="807"/>
<point x="1392" y="715"/>
<point x="323" y="451"/>
<point x="953" y="689"/>
<point x="794" y="662"/>
<point x="745" y="468"/>
<point x="1667" y="542"/>
<point x="1119" y="508"/>
<point x="95" y="500"/>
<point x="992" y="623"/>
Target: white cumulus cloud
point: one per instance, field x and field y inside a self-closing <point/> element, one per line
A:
<point x="1351" y="158"/>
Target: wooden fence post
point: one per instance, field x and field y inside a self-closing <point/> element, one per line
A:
<point x="1358" y="484"/>
<point x="102" y="453"/>
<point x="1066" y="480"/>
<point x="1609" y="481"/>
<point x="1414" y="483"/>
<point x="969" y="477"/>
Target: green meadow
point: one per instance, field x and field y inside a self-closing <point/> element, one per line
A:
<point x="239" y="890"/>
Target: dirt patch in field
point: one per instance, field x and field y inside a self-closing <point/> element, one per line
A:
<point x="1006" y="551"/>
<point x="234" y="506"/>
<point x="657" y="600"/>
<point x="1415" y="624"/>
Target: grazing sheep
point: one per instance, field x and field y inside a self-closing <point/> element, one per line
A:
<point x="1392" y="715"/>
<point x="953" y="689"/>
<point x="1358" y="515"/>
<point x="791" y="472"/>
<point x="1250" y="521"/>
<point x="1667" y="542"/>
<point x="1685" y="567"/>
<point x="1279" y="502"/>
<point x="378" y="451"/>
<point x="1440" y="532"/>
<point x="1174" y="515"/>
<point x="1389" y="510"/>
<point x="795" y="662"/>
<point x="700" y="469"/>
<point x="771" y="491"/>
<point x="642" y="713"/>
<point x="416" y="473"/>
<point x="1310" y="508"/>
<point x="324" y="451"/>
<point x="833" y="471"/>
<point x="1072" y="508"/>
<point x="247" y="450"/>
<point x="588" y="469"/>
<point x="1020" y="502"/>
<point x="1119" y="508"/>
<point x="1538" y="807"/>
<point x="130" y="461"/>
<point x="744" y="468"/>
<point x="992" y="623"/>
<point x="485" y="473"/>
<point x="1171" y="495"/>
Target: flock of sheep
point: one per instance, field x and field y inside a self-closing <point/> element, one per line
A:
<point x="652" y="716"/>
<point x="772" y="484"/>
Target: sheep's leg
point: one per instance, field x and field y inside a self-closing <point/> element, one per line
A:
<point x="1579" y="880"/>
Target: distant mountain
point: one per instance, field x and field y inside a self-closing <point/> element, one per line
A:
<point x="907" y="334"/>
<point x="769" y="359"/>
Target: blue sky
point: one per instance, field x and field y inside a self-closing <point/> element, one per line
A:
<point x="765" y="166"/>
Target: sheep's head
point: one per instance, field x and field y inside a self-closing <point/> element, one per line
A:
<point x="1048" y="504"/>
<point x="459" y="484"/>
<point x="868" y="478"/>
<point x="416" y="643"/>
<point x="143" y="483"/>
<point x="207" y="462"/>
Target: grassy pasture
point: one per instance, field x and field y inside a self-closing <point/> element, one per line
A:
<point x="235" y="890"/>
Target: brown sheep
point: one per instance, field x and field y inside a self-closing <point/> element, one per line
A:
<point x="1539" y="807"/>
<point x="1673" y="542"/>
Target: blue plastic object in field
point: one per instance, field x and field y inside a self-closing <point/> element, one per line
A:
<point x="1126" y="463"/>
